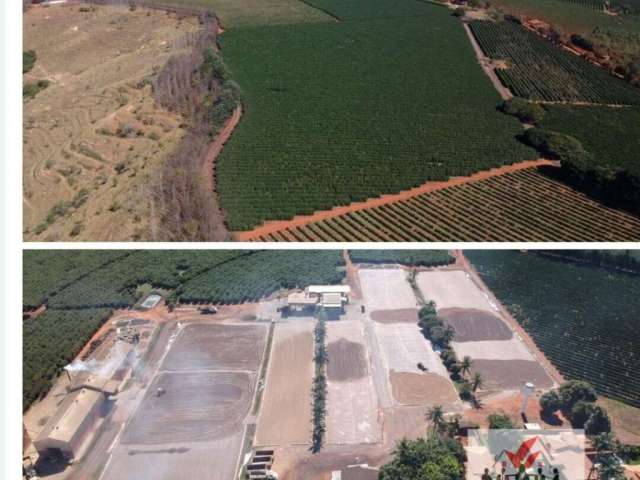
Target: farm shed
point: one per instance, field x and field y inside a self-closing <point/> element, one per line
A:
<point x="67" y="430"/>
<point x="301" y="302"/>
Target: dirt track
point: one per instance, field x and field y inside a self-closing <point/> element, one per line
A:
<point x="216" y="147"/>
<point x="301" y="220"/>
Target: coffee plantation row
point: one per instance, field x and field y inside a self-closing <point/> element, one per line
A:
<point x="521" y="206"/>
<point x="403" y="101"/>
<point x="582" y="317"/>
<point x="204" y="276"/>
<point x="538" y="70"/>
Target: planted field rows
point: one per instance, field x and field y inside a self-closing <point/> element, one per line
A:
<point x="404" y="102"/>
<point x="592" y="4"/>
<point x="587" y="323"/>
<point x="538" y="70"/>
<point x="522" y="206"/>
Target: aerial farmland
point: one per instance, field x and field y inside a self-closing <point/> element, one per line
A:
<point x="367" y="120"/>
<point x="321" y="368"/>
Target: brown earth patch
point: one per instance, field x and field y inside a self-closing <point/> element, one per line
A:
<point x="194" y="407"/>
<point x="401" y="315"/>
<point x="475" y="325"/>
<point x="347" y="361"/>
<point x="202" y="346"/>
<point x="511" y="374"/>
<point x="422" y="389"/>
<point x="289" y="381"/>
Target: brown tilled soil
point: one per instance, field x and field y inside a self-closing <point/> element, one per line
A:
<point x="401" y="315"/>
<point x="475" y="325"/>
<point x="194" y="407"/>
<point x="511" y="374"/>
<point x="422" y="389"/>
<point x="347" y="361"/>
<point x="285" y="416"/>
<point x="202" y="346"/>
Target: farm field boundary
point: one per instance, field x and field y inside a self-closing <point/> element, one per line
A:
<point x="526" y="205"/>
<point x="274" y="226"/>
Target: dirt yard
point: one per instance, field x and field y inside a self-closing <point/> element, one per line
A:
<point x="512" y="349"/>
<point x="475" y="325"/>
<point x="352" y="404"/>
<point x="401" y="315"/>
<point x="386" y="289"/>
<point x="452" y="289"/>
<point x="94" y="138"/>
<point x="425" y="389"/>
<point x="285" y="416"/>
<point x="194" y="407"/>
<point x="230" y="347"/>
<point x="347" y="361"/>
<point x="403" y="347"/>
<point x="511" y="374"/>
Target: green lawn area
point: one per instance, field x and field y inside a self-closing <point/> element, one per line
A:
<point x="339" y="112"/>
<point x="237" y="13"/>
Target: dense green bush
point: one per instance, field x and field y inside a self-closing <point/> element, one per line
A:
<point x="433" y="458"/>
<point x="28" y="60"/>
<point x="417" y="258"/>
<point x="525" y="111"/>
<point x="500" y="421"/>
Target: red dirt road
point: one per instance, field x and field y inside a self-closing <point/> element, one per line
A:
<point x="270" y="227"/>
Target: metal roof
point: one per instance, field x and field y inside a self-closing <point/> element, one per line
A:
<point x="329" y="289"/>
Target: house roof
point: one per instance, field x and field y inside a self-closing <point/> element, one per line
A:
<point x="320" y="289"/>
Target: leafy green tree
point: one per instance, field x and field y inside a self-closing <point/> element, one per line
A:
<point x="500" y="421"/>
<point x="426" y="459"/>
<point x="581" y="412"/>
<point x="550" y="402"/>
<point x="598" y="422"/>
<point x="574" y="391"/>
<point x="476" y="382"/>
<point x="465" y="365"/>
<point x="435" y="415"/>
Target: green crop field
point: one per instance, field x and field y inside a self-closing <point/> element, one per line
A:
<point x="572" y="17"/>
<point x="538" y="70"/>
<point x="371" y="9"/>
<point x="597" y="5"/>
<point x="344" y="111"/>
<point x="611" y="135"/>
<point x="584" y="318"/>
<point x="238" y="13"/>
<point x="421" y="258"/>
<point x="51" y="341"/>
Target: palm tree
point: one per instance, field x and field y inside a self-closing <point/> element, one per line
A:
<point x="465" y="365"/>
<point x="436" y="416"/>
<point x="476" y="383"/>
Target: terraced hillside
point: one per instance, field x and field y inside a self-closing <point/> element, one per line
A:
<point x="582" y="317"/>
<point x="526" y="205"/>
<point x="404" y="101"/>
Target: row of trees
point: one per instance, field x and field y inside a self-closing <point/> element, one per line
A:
<point x="441" y="335"/>
<point x="319" y="389"/>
